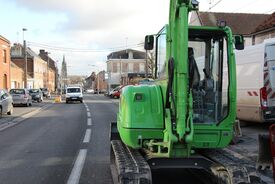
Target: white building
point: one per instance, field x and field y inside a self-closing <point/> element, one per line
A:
<point x="124" y="64"/>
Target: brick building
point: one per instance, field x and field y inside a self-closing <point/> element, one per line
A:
<point x="121" y="65"/>
<point x="89" y="81"/>
<point x="36" y="67"/>
<point x="51" y="77"/>
<point x="100" y="82"/>
<point x="254" y="27"/>
<point x="4" y="63"/>
<point x="17" y="76"/>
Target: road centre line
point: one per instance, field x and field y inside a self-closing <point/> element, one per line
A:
<point x="87" y="136"/>
<point x="88" y="114"/>
<point x="89" y="121"/>
<point x="78" y="166"/>
<point x="87" y="109"/>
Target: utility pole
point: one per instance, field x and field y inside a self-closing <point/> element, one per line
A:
<point x="26" y="60"/>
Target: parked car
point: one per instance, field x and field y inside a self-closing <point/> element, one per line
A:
<point x="115" y="93"/>
<point x="90" y="90"/>
<point x="107" y="93"/>
<point x="74" y="94"/>
<point x="6" y="103"/>
<point x="21" y="97"/>
<point x="45" y="92"/>
<point x="36" y="95"/>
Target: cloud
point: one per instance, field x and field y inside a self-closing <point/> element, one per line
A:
<point x="98" y="24"/>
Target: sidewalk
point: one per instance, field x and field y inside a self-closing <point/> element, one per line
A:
<point x="19" y="111"/>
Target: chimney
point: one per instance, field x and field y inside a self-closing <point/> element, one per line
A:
<point x="42" y="51"/>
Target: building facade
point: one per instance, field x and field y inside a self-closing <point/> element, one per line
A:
<point x="36" y="67"/>
<point x="5" y="63"/>
<point x="51" y="74"/>
<point x="100" y="82"/>
<point x="17" y="76"/>
<point x="123" y="63"/>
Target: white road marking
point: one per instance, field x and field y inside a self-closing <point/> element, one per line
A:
<point x="78" y="166"/>
<point x="88" y="114"/>
<point x="87" y="136"/>
<point x="23" y="117"/>
<point x="89" y="122"/>
<point x="87" y="109"/>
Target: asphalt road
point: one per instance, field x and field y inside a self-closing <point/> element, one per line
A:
<point x="42" y="149"/>
<point x="21" y="110"/>
<point x="67" y="143"/>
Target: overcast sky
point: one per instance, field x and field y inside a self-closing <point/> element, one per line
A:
<point x="86" y="31"/>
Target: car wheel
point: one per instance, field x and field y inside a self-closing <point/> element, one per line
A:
<point x="81" y="101"/>
<point x="11" y="111"/>
<point x="31" y="104"/>
<point x="67" y="101"/>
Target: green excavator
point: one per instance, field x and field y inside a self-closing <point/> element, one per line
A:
<point x="186" y="119"/>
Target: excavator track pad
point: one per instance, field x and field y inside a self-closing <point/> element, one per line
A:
<point x="128" y="166"/>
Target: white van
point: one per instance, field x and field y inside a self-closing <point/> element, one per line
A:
<point x="255" y="67"/>
<point x="74" y="94"/>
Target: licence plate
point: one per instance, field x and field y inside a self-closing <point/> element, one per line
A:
<point x="74" y="98"/>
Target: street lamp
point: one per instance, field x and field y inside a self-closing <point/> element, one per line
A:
<point x="26" y="59"/>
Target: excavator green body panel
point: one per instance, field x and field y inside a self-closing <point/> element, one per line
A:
<point x="171" y="121"/>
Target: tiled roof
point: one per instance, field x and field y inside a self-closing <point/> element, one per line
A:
<point x="267" y="24"/>
<point x="240" y="23"/>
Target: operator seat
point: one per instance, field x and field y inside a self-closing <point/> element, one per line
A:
<point x="194" y="75"/>
<point x="194" y="84"/>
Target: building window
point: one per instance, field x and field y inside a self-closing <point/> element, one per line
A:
<point x="5" y="82"/>
<point x="115" y="68"/>
<point x="131" y="67"/>
<point x="125" y="67"/>
<point x="142" y="67"/>
<point x="136" y="67"/>
<point x="4" y="56"/>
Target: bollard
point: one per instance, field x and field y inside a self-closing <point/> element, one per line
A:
<point x="58" y="99"/>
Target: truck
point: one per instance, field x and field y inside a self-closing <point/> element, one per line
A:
<point x="185" y="120"/>
<point x="256" y="82"/>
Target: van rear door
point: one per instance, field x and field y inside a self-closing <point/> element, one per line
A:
<point x="270" y="64"/>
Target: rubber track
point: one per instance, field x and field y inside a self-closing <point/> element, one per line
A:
<point x="131" y="166"/>
<point x="241" y="170"/>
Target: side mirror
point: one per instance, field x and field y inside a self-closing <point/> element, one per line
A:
<point x="239" y="42"/>
<point x="149" y="42"/>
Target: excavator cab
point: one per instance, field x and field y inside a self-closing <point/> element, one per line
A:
<point x="208" y="72"/>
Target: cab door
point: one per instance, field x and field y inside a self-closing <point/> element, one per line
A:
<point x="270" y="62"/>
